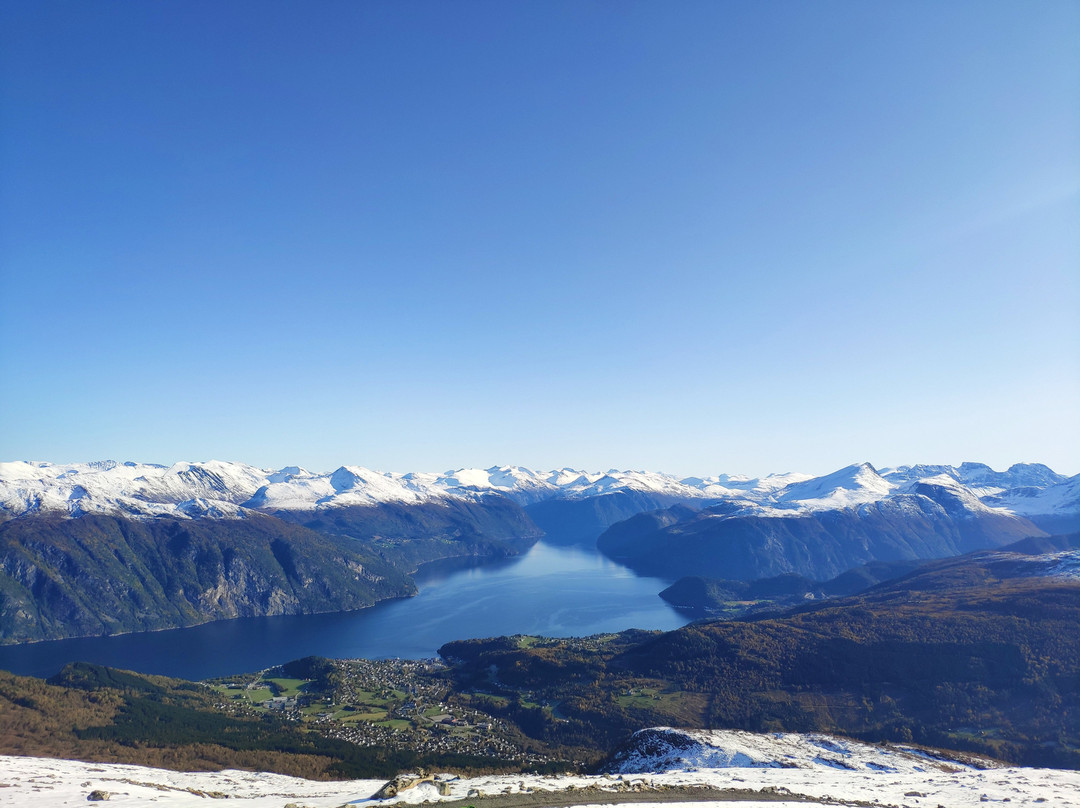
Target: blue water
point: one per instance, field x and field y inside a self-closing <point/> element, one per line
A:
<point x="551" y="590"/>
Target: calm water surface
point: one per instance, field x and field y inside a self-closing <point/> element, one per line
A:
<point x="553" y="591"/>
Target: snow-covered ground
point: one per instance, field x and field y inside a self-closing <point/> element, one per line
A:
<point x="46" y="782"/>
<point x="786" y="770"/>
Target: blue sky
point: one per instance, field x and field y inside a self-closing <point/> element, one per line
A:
<point x="693" y="237"/>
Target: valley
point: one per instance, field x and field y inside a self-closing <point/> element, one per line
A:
<point x="977" y="653"/>
<point x="553" y="590"/>
<point x="465" y="623"/>
<point x="107" y="548"/>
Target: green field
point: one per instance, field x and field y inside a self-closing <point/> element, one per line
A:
<point x="288" y="687"/>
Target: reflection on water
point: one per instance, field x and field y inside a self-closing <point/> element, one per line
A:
<point x="551" y="590"/>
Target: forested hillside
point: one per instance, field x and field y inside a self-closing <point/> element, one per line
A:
<point x="106" y="575"/>
<point x="970" y="653"/>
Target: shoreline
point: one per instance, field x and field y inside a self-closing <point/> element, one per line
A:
<point x="480" y="560"/>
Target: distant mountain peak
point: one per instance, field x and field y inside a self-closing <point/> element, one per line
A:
<point x="222" y="489"/>
<point x="847" y="487"/>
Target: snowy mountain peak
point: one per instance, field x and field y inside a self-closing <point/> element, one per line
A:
<point x="219" y="489"/>
<point x="1055" y="500"/>
<point x="980" y="475"/>
<point x="287" y="473"/>
<point x="955" y="497"/>
<point x="1034" y="474"/>
<point x="344" y="479"/>
<point x="974" y="472"/>
<point x="850" y="486"/>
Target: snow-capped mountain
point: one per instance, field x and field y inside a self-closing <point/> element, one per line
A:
<point x="125" y="488"/>
<point x="1029" y="490"/>
<point x="1060" y="498"/>
<point x="980" y="476"/>
<point x="846" y="488"/>
<point x="217" y="489"/>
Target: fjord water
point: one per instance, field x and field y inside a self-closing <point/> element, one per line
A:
<point x="551" y="590"/>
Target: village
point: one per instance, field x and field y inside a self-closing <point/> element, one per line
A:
<point x="393" y="703"/>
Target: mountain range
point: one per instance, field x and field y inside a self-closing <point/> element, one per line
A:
<point x="217" y="489"/>
<point x="106" y="547"/>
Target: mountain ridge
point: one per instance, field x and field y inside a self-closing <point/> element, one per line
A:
<point x="223" y="489"/>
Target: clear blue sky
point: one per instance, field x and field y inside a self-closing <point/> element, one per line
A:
<point x="693" y="237"/>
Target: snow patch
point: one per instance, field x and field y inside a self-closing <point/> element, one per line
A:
<point x="665" y="749"/>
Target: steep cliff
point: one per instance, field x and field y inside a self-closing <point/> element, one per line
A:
<point x="105" y="575"/>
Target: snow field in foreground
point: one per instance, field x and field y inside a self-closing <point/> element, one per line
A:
<point x="49" y="783"/>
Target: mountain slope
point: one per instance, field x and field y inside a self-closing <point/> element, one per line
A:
<point x="727" y="541"/>
<point x="104" y="575"/>
<point x="664" y="748"/>
<point x="409" y="534"/>
<point x="718" y="596"/>
<point x="581" y="521"/>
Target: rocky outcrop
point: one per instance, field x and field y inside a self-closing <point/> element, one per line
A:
<point x="405" y="782"/>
